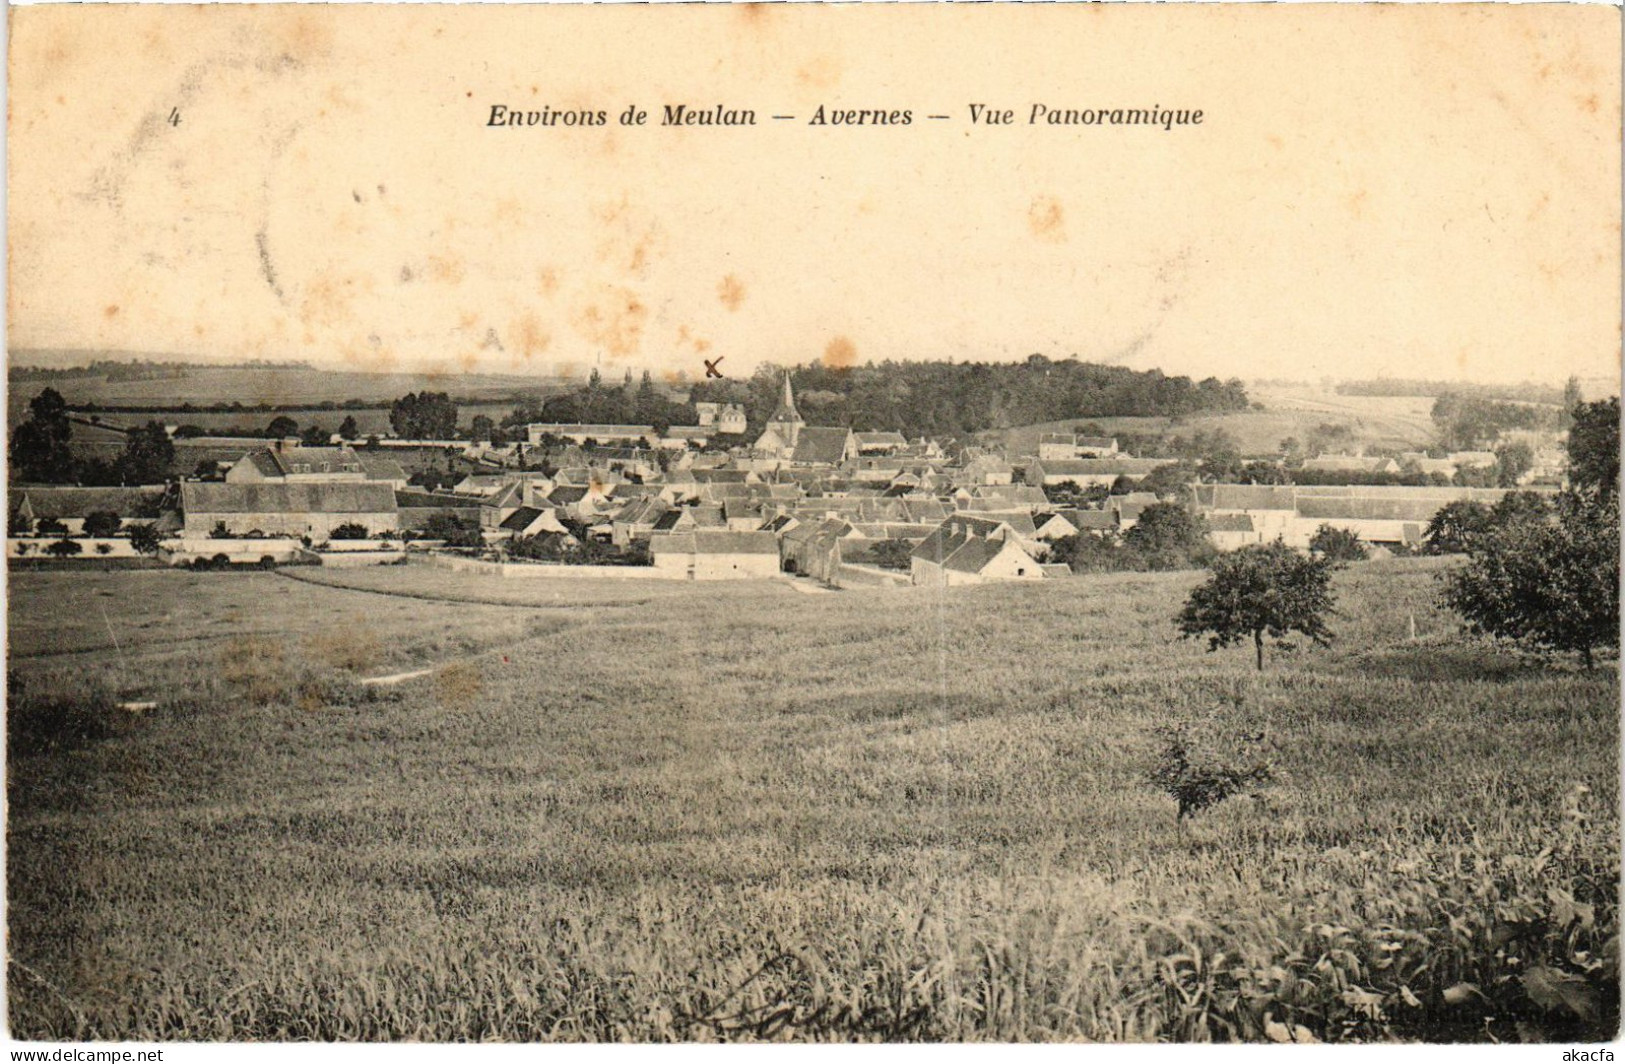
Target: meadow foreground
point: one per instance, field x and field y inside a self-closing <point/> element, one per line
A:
<point x="728" y="812"/>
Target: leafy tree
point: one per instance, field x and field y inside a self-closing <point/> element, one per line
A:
<point x="1258" y="590"/>
<point x="1168" y="536"/>
<point x="104" y="548"/>
<point x="50" y="526"/>
<point x="207" y="469"/>
<point x="99" y="524"/>
<point x="1594" y="447"/>
<point x="144" y="539"/>
<point x="50" y="410"/>
<point x="220" y="531"/>
<point x="350" y="530"/>
<point x="1088" y="553"/>
<point x="893" y="553"/>
<point x="39" y="446"/>
<point x="190" y="432"/>
<point x="1337" y="544"/>
<point x="1512" y="461"/>
<point x="1522" y="506"/>
<point x="1551" y="583"/>
<point x="481" y="428"/>
<point x="348" y="429"/>
<point x="1263" y="473"/>
<point x="18" y="525"/>
<point x="424" y="416"/>
<point x="148" y="457"/>
<point x="1455" y="526"/>
<point x="315" y="436"/>
<point x="282" y="426"/>
<point x="444" y="525"/>
<point x="1167" y="481"/>
<point x="64" y="548"/>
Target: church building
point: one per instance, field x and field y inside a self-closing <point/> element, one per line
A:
<point x="783" y="430"/>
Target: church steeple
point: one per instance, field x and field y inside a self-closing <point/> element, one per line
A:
<point x="786" y="410"/>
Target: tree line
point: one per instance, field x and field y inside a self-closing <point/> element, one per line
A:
<point x="960" y="398"/>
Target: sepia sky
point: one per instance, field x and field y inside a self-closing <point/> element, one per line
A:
<point x="1408" y="191"/>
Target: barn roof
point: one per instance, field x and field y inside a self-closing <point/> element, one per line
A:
<point x="63" y="503"/>
<point x="351" y="497"/>
<point x="826" y="446"/>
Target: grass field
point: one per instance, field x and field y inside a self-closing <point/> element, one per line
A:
<point x="281" y="386"/>
<point x="368" y="422"/>
<point x="734" y="812"/>
<point x="1388" y="422"/>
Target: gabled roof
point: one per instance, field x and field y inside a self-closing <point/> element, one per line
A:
<point x="64" y="503"/>
<point x="707" y="516"/>
<point x="292" y="460"/>
<point x="781" y="523"/>
<point x="1067" y="467"/>
<point x="820" y="445"/>
<point x="381" y="467"/>
<point x="567" y="495"/>
<point x="1367" y="509"/>
<point x="708" y="542"/>
<point x="668" y="521"/>
<point x="341" y="497"/>
<point x="521" y="519"/>
<point x="642" y="511"/>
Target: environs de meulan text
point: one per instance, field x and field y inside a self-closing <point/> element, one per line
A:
<point x="723" y="116"/>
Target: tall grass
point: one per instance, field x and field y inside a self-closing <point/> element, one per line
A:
<point x="755" y="815"/>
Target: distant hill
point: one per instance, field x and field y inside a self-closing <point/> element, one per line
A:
<point x="157" y="383"/>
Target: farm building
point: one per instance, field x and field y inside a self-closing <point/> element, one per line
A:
<point x="721" y="417"/>
<point x="1348" y="463"/>
<point x="532" y="520"/>
<point x="813" y="548"/>
<point x="71" y="506"/>
<point x="1387" y="515"/>
<point x="717" y="555"/>
<point x="309" y="509"/>
<point x="880" y="442"/>
<point x="288" y="461"/>
<point x="579" y="434"/>
<point x="1230" y="531"/>
<point x="971" y="550"/>
<point x="1088" y="472"/>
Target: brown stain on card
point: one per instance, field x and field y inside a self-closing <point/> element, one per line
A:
<point x="840" y="353"/>
<point x="731" y="291"/>
<point x="612" y="319"/>
<point x="822" y="72"/>
<point x="529" y="336"/>
<point x="1046" y="220"/>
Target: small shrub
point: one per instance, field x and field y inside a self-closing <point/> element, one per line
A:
<point x="1199" y="779"/>
<point x="1338" y="545"/>
<point x="64" y="548"/>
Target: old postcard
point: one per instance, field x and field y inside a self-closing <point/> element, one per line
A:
<point x="755" y="523"/>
